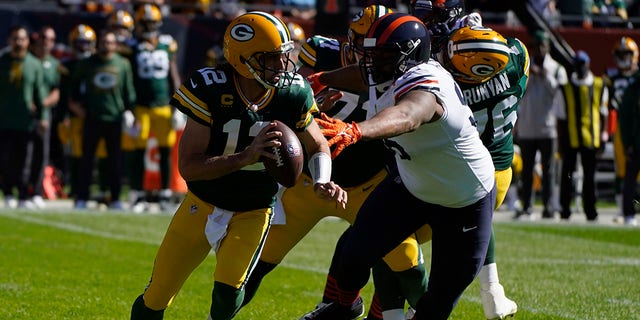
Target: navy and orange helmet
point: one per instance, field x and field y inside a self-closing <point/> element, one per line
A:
<point x="394" y="43"/>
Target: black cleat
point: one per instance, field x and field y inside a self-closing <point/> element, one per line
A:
<point x="334" y="311"/>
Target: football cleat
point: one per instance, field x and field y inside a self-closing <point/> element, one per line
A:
<point x="496" y="304"/>
<point x="334" y="311"/>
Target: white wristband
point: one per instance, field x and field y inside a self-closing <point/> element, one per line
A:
<point x="320" y="167"/>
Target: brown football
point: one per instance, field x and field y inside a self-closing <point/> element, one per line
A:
<point x="290" y="157"/>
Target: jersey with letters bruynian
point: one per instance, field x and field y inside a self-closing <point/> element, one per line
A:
<point x="443" y="162"/>
<point x="363" y="160"/>
<point x="211" y="97"/>
<point x="495" y="103"/>
<point x="151" y="65"/>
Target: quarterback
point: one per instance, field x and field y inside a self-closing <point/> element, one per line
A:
<point x="229" y="205"/>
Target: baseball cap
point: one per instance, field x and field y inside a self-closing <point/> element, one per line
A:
<point x="581" y="57"/>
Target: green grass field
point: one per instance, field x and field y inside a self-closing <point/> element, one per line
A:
<point x="92" y="265"/>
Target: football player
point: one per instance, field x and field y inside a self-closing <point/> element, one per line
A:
<point x="230" y="200"/>
<point x="445" y="176"/>
<point x="355" y="170"/>
<point x="82" y="40"/>
<point x="298" y="36"/>
<point x="121" y="23"/>
<point x="155" y="69"/>
<point x="625" y="55"/>
<point x="492" y="72"/>
<point x="494" y="110"/>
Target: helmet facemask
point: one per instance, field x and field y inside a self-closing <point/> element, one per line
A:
<point x="440" y="18"/>
<point x="356" y="51"/>
<point x="149" y="29"/>
<point x="273" y="69"/>
<point x="624" y="59"/>
<point x="380" y="65"/>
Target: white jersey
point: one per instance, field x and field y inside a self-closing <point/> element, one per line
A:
<point x="443" y="162"/>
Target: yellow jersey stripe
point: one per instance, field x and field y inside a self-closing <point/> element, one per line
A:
<point x="191" y="102"/>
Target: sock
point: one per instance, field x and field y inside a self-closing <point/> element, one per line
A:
<point x="139" y="311"/>
<point x="259" y="272"/>
<point x="491" y="250"/>
<point x="225" y="301"/>
<point x="488" y="275"/>
<point x="413" y="283"/>
<point x="348" y="298"/>
<point x="330" y="290"/>
<point x="375" y="311"/>
<point x="388" y="288"/>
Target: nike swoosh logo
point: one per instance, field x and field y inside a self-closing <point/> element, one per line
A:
<point x="193" y="84"/>
<point x="465" y="229"/>
<point x="367" y="188"/>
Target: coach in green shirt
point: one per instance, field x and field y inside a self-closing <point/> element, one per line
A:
<point x="21" y="105"/>
<point x="102" y="89"/>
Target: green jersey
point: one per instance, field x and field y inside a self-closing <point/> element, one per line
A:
<point x="51" y="72"/>
<point x="104" y="86"/>
<point x="360" y="162"/>
<point x="21" y="87"/>
<point x="151" y="66"/>
<point x="494" y="104"/>
<point x="211" y="97"/>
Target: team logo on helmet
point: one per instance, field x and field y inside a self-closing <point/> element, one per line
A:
<point x="242" y="32"/>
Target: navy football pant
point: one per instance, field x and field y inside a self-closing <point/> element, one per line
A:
<point x="390" y="214"/>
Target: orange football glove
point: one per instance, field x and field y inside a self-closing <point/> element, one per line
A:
<point x="314" y="81"/>
<point x="340" y="133"/>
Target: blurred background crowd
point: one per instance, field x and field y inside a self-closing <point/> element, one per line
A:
<point x="63" y="31"/>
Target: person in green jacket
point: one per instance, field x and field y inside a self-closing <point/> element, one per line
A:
<point x="44" y="41"/>
<point x="22" y="92"/>
<point x="102" y="90"/>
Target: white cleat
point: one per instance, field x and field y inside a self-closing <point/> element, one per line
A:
<point x="496" y="304"/>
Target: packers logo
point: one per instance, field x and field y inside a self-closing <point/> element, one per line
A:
<point x="242" y="32"/>
<point x="105" y="80"/>
<point x="482" y="70"/>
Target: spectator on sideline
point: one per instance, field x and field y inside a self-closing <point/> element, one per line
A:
<point x="581" y="130"/>
<point x="106" y="93"/>
<point x="536" y="129"/>
<point x="629" y="122"/>
<point x="41" y="138"/>
<point x="22" y="93"/>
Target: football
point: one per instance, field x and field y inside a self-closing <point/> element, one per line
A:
<point x="287" y="166"/>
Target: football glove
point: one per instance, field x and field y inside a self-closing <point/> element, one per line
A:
<point x="340" y="133"/>
<point x="314" y="81"/>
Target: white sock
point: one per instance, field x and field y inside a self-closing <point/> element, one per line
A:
<point x="393" y="314"/>
<point x="488" y="275"/>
